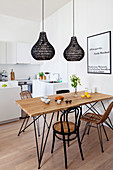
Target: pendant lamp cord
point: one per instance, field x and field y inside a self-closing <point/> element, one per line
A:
<point x="42" y="15"/>
<point x="73" y="19"/>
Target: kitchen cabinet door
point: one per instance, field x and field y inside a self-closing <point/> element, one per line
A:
<point x="51" y="88"/>
<point x="11" y="52"/>
<point x="36" y="88"/>
<point x="23" y="53"/>
<point x="9" y="110"/>
<point x="2" y="52"/>
<point x="39" y="88"/>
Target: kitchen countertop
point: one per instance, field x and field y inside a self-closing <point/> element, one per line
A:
<point x="10" y="84"/>
<point x="9" y="87"/>
<point x="48" y="81"/>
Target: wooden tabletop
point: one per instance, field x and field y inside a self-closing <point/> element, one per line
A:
<point x="35" y="107"/>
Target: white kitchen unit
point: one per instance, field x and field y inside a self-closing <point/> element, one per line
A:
<point x="23" y="53"/>
<point x="11" y="53"/>
<point x="2" y="52"/>
<point x="9" y="111"/>
<point x="51" y="88"/>
<point x="39" y="88"/>
<point x="16" y="53"/>
<point x="43" y="88"/>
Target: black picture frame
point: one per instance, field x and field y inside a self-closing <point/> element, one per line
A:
<point x="99" y="53"/>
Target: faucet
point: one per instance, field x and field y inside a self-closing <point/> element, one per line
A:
<point x="58" y="74"/>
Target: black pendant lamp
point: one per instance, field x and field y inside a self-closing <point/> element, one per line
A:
<point x="42" y="50"/>
<point x="73" y="52"/>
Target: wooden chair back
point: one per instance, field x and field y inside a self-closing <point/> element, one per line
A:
<point x="106" y="114"/>
<point x="25" y="95"/>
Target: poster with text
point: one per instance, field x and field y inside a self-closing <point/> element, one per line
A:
<point x="99" y="53"/>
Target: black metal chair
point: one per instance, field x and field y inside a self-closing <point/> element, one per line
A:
<point x="60" y="92"/>
<point x="63" y="128"/>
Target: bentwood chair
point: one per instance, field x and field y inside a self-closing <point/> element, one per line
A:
<point x="26" y="95"/>
<point x="97" y="121"/>
<point x="60" y="92"/>
<point x="67" y="130"/>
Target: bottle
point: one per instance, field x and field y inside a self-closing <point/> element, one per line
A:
<point x="12" y="75"/>
<point x="60" y="80"/>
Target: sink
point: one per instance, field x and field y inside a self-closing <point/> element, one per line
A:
<point x="53" y="82"/>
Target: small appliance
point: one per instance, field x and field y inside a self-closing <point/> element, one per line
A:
<point x="3" y="76"/>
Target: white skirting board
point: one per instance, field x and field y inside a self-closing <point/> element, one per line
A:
<point x="9" y="121"/>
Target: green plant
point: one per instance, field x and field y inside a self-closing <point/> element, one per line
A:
<point x="75" y="80"/>
<point x="41" y="74"/>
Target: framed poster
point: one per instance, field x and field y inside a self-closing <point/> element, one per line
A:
<point x="99" y="53"/>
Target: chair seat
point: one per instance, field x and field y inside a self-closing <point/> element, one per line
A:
<point x="57" y="127"/>
<point x="91" y="117"/>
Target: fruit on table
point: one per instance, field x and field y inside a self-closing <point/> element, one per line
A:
<point x="4" y="85"/>
<point x="82" y="95"/>
<point x="86" y="93"/>
<point x="88" y="96"/>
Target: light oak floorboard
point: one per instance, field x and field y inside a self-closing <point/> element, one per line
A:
<point x="19" y="153"/>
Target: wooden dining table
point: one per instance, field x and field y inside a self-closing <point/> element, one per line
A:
<point x="35" y="108"/>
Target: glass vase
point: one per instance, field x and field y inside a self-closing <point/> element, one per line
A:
<point x="75" y="93"/>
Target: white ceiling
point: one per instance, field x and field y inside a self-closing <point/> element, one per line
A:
<point x="30" y="9"/>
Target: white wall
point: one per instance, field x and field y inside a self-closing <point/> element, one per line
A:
<point x="59" y="29"/>
<point x="92" y="17"/>
<point x="15" y="29"/>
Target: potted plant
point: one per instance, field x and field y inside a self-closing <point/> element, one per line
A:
<point x="75" y="81"/>
<point x="41" y="74"/>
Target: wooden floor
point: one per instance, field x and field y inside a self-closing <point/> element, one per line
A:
<point x="19" y="153"/>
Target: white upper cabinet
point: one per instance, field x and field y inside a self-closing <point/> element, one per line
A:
<point x="16" y="53"/>
<point x="23" y="53"/>
<point x="11" y="52"/>
<point x="2" y="52"/>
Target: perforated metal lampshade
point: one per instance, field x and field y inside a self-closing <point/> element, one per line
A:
<point x="42" y="50"/>
<point x="73" y="52"/>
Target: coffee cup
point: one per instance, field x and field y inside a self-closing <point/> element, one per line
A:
<point x="59" y="101"/>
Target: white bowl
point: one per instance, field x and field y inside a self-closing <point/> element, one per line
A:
<point x="47" y="101"/>
<point x="44" y="98"/>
